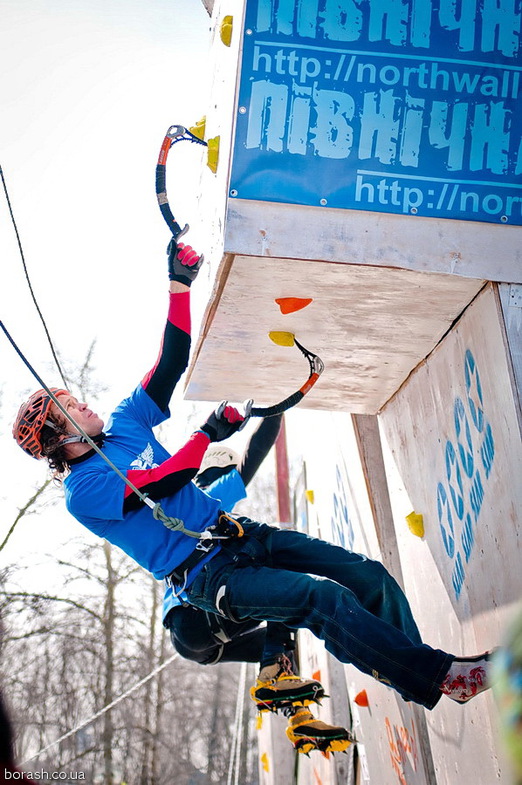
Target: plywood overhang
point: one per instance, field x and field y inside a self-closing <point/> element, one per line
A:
<point x="370" y="325"/>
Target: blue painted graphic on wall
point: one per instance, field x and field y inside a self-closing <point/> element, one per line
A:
<point x="468" y="460"/>
<point x="342" y="527"/>
<point x="407" y="107"/>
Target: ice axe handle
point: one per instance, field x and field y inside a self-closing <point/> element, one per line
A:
<point x="220" y="409"/>
<point x="247" y="408"/>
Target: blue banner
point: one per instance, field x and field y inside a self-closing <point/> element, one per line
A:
<point x="396" y="106"/>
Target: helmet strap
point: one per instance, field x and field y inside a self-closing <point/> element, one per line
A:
<point x="77" y="438"/>
<point x="72" y="440"/>
<point x="99" y="439"/>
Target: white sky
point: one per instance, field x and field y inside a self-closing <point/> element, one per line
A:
<point x="87" y="90"/>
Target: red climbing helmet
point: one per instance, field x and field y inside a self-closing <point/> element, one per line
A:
<point x="30" y="420"/>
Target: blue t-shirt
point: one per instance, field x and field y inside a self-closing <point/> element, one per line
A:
<point x="228" y="490"/>
<point x="94" y="493"/>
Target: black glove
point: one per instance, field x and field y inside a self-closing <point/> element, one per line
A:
<point x="184" y="263"/>
<point x="223" y="422"/>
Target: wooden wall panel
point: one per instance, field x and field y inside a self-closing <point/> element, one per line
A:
<point x="392" y="747"/>
<point x="453" y="431"/>
<point x="388" y="729"/>
<point x="462" y="248"/>
<point x="511" y="301"/>
<point x="371" y="328"/>
<point x="276" y="755"/>
<point x="455" y="456"/>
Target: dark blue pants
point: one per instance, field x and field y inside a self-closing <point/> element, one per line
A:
<point x="347" y="600"/>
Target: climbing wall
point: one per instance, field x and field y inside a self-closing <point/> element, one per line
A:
<point x="314" y="660"/>
<point x="276" y="756"/>
<point x="455" y="456"/>
<point x="366" y="158"/>
<point x="389" y="732"/>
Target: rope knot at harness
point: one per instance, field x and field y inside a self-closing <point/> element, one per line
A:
<point x="175" y="524"/>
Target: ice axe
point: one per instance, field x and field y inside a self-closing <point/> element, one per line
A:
<point x="283" y="338"/>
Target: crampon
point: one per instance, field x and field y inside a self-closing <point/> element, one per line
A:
<point x="282" y="689"/>
<point x="307" y="734"/>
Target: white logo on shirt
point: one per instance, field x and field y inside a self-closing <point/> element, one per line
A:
<point x="145" y="459"/>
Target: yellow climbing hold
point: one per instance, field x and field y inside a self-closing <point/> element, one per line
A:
<point x="282" y="338"/>
<point x="310" y="496"/>
<point x="225" y="31"/>
<point x="415" y="523"/>
<point x="199" y="129"/>
<point x="264" y="761"/>
<point x="213" y="154"/>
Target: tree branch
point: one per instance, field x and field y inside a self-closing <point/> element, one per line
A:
<point x="67" y="600"/>
<point x="23" y="510"/>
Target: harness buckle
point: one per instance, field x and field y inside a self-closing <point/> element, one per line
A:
<point x="205" y="543"/>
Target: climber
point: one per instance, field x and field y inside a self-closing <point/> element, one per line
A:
<point x="238" y="568"/>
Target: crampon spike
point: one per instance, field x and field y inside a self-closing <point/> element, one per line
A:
<point x="307" y="733"/>
<point x="285" y="692"/>
<point x="325" y="747"/>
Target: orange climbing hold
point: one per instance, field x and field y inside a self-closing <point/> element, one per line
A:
<point x="292" y="304"/>
<point x="361" y="698"/>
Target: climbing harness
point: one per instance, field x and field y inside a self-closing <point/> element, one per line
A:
<point x="179" y="576"/>
<point x="227" y="528"/>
